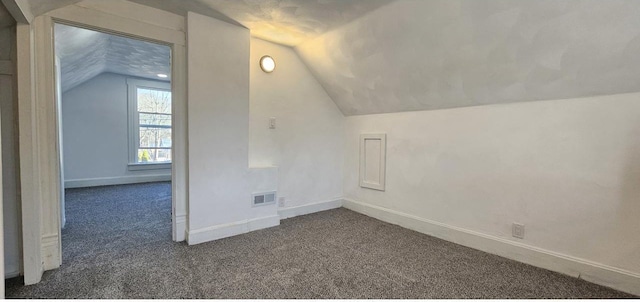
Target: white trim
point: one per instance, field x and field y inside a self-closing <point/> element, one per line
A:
<point x="29" y="185"/>
<point x="112" y="22"/>
<point x="131" y="10"/>
<point x="289" y="212"/>
<point x="50" y="254"/>
<point x="108" y="181"/>
<point x="231" y="229"/>
<point x="11" y="274"/>
<point x="148" y="166"/>
<point x="133" y="133"/>
<point x="179" y="144"/>
<point x="181" y="227"/>
<point x="576" y="267"/>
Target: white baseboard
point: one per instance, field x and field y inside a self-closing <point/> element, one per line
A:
<point x="231" y="229"/>
<point x="309" y="208"/>
<point x="108" y="181"/>
<point x="11" y="274"/>
<point x="50" y="251"/>
<point x="598" y="273"/>
<point x="181" y="228"/>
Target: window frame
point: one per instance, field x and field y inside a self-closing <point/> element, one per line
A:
<point x="133" y="122"/>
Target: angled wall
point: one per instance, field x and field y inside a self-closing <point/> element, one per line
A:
<point x="307" y="143"/>
<point x="220" y="181"/>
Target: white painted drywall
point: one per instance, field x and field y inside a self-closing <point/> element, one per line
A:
<point x="220" y="181"/>
<point x="95" y="133"/>
<point x="567" y="169"/>
<point x="421" y="55"/>
<point x="11" y="205"/>
<point x="307" y="145"/>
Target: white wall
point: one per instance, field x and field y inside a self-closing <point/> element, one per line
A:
<point x="220" y="181"/>
<point x="95" y="133"/>
<point x="11" y="204"/>
<point x="567" y="169"/>
<point x="307" y="145"/>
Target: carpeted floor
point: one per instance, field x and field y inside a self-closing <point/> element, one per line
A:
<point x="117" y="244"/>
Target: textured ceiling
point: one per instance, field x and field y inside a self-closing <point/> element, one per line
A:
<point x="419" y="55"/>
<point x="287" y="22"/>
<point x="85" y="53"/>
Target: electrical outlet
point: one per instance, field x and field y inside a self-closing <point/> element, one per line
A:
<point x="272" y="123"/>
<point x="281" y="202"/>
<point x="518" y="230"/>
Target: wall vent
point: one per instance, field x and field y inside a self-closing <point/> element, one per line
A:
<point x="260" y="199"/>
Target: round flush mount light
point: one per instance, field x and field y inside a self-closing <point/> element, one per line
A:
<point x="267" y="64"/>
<point x="162" y="75"/>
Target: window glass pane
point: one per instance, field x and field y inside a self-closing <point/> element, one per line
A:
<point x="151" y="137"/>
<point x="154" y="119"/>
<point x="154" y="101"/>
<point x="154" y="155"/>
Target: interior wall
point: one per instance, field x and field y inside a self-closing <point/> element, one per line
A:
<point x="220" y="181"/>
<point x="307" y="145"/>
<point x="569" y="170"/>
<point x="10" y="160"/>
<point x="95" y="133"/>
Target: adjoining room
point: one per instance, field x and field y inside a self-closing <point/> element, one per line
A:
<point x="115" y="141"/>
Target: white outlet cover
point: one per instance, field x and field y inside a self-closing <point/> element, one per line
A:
<point x="518" y="230"/>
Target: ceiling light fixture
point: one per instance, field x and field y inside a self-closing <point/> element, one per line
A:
<point x="267" y="64"/>
<point x="162" y="75"/>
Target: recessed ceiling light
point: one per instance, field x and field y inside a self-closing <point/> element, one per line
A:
<point x="162" y="75"/>
<point x="267" y="64"/>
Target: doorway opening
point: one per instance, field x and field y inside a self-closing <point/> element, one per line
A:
<point x="114" y="100"/>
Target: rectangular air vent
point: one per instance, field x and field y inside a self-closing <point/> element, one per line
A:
<point x="260" y="199"/>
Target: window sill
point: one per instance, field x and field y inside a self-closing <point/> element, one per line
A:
<point x="151" y="166"/>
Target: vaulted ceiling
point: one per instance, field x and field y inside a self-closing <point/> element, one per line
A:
<point x="287" y="22"/>
<point x="85" y="54"/>
<point x="420" y="55"/>
<point x="377" y="56"/>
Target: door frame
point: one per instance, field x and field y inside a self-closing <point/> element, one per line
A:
<point x="40" y="168"/>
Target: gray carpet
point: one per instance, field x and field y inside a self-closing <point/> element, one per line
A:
<point x="117" y="244"/>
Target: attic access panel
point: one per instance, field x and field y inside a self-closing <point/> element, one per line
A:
<point x="373" y="149"/>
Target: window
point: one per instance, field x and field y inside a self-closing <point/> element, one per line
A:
<point x="149" y="124"/>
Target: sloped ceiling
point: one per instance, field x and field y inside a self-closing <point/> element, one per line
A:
<point x="378" y="56"/>
<point x="419" y="55"/>
<point x="85" y="53"/>
<point x="287" y="22"/>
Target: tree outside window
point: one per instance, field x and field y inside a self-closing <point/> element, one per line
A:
<point x="153" y="125"/>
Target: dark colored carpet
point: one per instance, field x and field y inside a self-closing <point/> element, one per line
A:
<point x="117" y="244"/>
